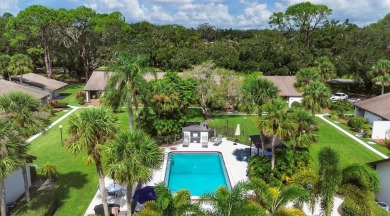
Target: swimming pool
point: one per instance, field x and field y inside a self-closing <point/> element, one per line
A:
<point x="197" y="172"/>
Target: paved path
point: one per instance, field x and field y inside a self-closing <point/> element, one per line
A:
<point x="321" y="116"/>
<point x="52" y="124"/>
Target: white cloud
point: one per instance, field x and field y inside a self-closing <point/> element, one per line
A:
<point x="255" y="16"/>
<point x="9" y="6"/>
<point x="171" y="1"/>
<point x="129" y="8"/>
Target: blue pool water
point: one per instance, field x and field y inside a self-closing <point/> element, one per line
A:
<point x="197" y="172"/>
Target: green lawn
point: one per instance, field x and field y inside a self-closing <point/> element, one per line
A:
<point x="77" y="182"/>
<point x="69" y="93"/>
<point x="349" y="150"/>
<point x="375" y="146"/>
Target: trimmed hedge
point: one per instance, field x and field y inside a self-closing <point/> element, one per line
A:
<point x="43" y="203"/>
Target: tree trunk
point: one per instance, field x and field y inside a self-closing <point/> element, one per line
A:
<point x="21" y="79"/>
<point x="3" y="210"/>
<point x="262" y="144"/>
<point x="136" y="109"/>
<point x="133" y="202"/>
<point x="102" y="186"/>
<point x="47" y="57"/>
<point x="129" y="193"/>
<point x="383" y="89"/>
<point x="273" y="153"/>
<point x="84" y="61"/>
<point x="131" y="116"/>
<point x="26" y="187"/>
<point x="204" y="107"/>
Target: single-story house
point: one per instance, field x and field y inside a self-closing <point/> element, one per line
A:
<point x="40" y="82"/>
<point x="256" y="140"/>
<point x="98" y="79"/>
<point x="197" y="132"/>
<point x="8" y="86"/>
<point x="377" y="112"/>
<point x="382" y="168"/>
<point x="286" y="88"/>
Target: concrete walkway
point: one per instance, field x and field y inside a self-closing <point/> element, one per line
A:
<point x="321" y="116"/>
<point x="52" y="124"/>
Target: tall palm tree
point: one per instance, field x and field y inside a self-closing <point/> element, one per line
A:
<point x="304" y="135"/>
<point x="256" y="91"/>
<point x="326" y="68"/>
<point x="19" y="65"/>
<point x="277" y="123"/>
<point x="275" y="199"/>
<point x="90" y="130"/>
<point x="126" y="82"/>
<point x="316" y="96"/>
<point x="233" y="202"/>
<point x="381" y="73"/>
<point x="11" y="148"/>
<point x="132" y="156"/>
<point x="177" y="204"/>
<point x="25" y="111"/>
<point x="305" y="76"/>
<point x="355" y="182"/>
<point x="4" y="61"/>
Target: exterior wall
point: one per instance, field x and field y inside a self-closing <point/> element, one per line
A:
<point x="54" y="94"/>
<point x="14" y="185"/>
<point x="204" y="135"/>
<point x="383" y="170"/>
<point x="359" y="112"/>
<point x="380" y="130"/>
<point x="371" y="117"/>
<point x="292" y="99"/>
<point x="87" y="96"/>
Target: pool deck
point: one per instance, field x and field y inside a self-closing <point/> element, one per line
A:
<point x="235" y="157"/>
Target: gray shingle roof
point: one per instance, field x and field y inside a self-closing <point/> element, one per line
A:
<point x="285" y="85"/>
<point x="41" y="81"/>
<point x="199" y="127"/>
<point x="7" y="86"/>
<point x="379" y="105"/>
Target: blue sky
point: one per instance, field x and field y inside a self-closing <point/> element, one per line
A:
<point x="238" y="14"/>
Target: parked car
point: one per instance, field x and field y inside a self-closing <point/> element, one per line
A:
<point x="383" y="205"/>
<point x="339" y="96"/>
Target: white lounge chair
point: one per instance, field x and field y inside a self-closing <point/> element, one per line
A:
<point x="205" y="142"/>
<point x="186" y="141"/>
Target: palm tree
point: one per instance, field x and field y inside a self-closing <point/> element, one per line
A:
<point x="126" y="82"/>
<point x="355" y="182"/>
<point x="316" y="96"/>
<point x="275" y="199"/>
<point x="177" y="204"/>
<point x="277" y="123"/>
<point x="232" y="202"/>
<point x="4" y="61"/>
<point x="304" y="136"/>
<point x="89" y="130"/>
<point x="305" y="76"/>
<point x="256" y="91"/>
<point x="19" y="65"/>
<point x="24" y="110"/>
<point x="326" y="68"/>
<point x="132" y="156"/>
<point x="11" y="148"/>
<point x="381" y="73"/>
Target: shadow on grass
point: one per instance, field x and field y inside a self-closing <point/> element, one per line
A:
<point x="66" y="182"/>
<point x="242" y="154"/>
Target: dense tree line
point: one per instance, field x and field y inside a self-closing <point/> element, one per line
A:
<point x="81" y="40"/>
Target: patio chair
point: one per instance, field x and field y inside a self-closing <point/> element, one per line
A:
<point x="205" y="142"/>
<point x="186" y="141"/>
<point x="218" y="140"/>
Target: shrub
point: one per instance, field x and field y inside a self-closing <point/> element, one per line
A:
<point x="357" y="123"/>
<point x="366" y="130"/>
<point x="81" y="100"/>
<point x="80" y="94"/>
<point x="49" y="170"/>
<point x="296" y="105"/>
<point x="52" y="103"/>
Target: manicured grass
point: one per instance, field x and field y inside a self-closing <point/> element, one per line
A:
<point x="69" y="93"/>
<point x="349" y="150"/>
<point x="77" y="182"/>
<point x="377" y="146"/>
<point x="58" y="115"/>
